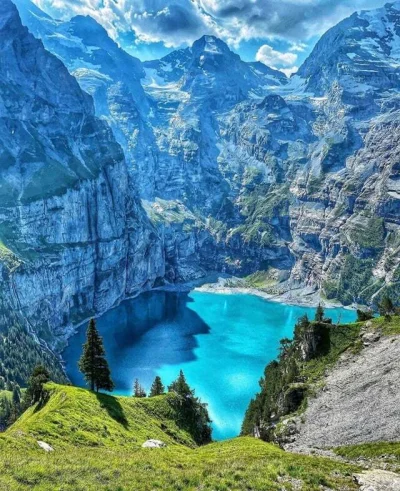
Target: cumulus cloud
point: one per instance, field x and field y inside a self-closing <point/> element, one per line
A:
<point x="288" y="19"/>
<point x="289" y="71"/>
<point x="273" y="58"/>
<point x="180" y="22"/>
<point x="298" y="47"/>
<point x="175" y="24"/>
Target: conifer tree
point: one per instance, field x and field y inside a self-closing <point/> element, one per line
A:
<point x="386" y="307"/>
<point x="157" y="387"/>
<point x="93" y="363"/>
<point x="192" y="413"/>
<point x="319" y="314"/>
<point x="35" y="392"/>
<point x="181" y="387"/>
<point x="138" y="390"/>
<point x="16" y="396"/>
<point x="15" y="406"/>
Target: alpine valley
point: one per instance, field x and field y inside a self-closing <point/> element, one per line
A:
<point x="120" y="176"/>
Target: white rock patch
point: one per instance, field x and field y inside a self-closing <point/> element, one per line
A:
<point x="154" y="444"/>
<point x="46" y="447"/>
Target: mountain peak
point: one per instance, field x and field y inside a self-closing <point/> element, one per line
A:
<point x="211" y="44"/>
<point x="395" y="5"/>
<point x="88" y="25"/>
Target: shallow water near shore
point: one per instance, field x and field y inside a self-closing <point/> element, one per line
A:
<point x="221" y="342"/>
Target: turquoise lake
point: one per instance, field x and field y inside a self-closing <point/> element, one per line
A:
<point x="221" y="342"/>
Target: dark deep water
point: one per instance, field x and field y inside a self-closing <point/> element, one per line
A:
<point x="222" y="343"/>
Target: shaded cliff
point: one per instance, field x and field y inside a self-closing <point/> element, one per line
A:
<point x="74" y="238"/>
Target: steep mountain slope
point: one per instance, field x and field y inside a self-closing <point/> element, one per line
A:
<point x="107" y="73"/>
<point x="361" y="53"/>
<point x="209" y="71"/>
<point x="193" y="88"/>
<point x="333" y="386"/>
<point x="97" y="444"/>
<point x="74" y="239"/>
<point x="344" y="221"/>
<point x="187" y="192"/>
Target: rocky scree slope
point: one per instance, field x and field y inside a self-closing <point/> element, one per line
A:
<point x="74" y="239"/>
<point x="333" y="386"/>
<point x="360" y="400"/>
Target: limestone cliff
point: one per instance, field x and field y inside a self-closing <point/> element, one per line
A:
<point x="74" y="238"/>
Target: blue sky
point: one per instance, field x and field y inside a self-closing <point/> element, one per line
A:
<point x="280" y="33"/>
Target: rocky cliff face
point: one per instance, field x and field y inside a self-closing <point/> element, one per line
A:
<point x="344" y="219"/>
<point x="74" y="239"/>
<point x="170" y="132"/>
<point x="359" y="402"/>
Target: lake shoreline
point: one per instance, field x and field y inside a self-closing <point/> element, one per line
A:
<point x="217" y="284"/>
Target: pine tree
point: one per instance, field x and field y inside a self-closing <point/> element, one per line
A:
<point x="386" y="307"/>
<point x="5" y="412"/>
<point x="157" y="387"/>
<point x="93" y="363"/>
<point x="181" y="387"/>
<point x="138" y="390"/>
<point x="284" y="347"/>
<point x="16" y="395"/>
<point x="35" y="392"/>
<point x="192" y="413"/>
<point x="319" y="314"/>
<point x="16" y="405"/>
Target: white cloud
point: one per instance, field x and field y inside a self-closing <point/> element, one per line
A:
<point x="180" y="22"/>
<point x="298" y="47"/>
<point x="273" y="58"/>
<point x="289" y="71"/>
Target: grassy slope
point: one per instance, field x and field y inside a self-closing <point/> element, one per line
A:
<point x="75" y="416"/>
<point x="97" y="445"/>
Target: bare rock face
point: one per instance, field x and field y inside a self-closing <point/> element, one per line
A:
<point x="300" y="177"/>
<point x="238" y="168"/>
<point x="75" y="240"/>
<point x="378" y="480"/>
<point x="359" y="403"/>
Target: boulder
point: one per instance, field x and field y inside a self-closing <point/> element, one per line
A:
<point x="371" y="337"/>
<point x="46" y="447"/>
<point x="154" y="444"/>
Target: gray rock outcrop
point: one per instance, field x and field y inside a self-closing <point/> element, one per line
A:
<point x="378" y="480"/>
<point x="238" y="169"/>
<point x="360" y="401"/>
